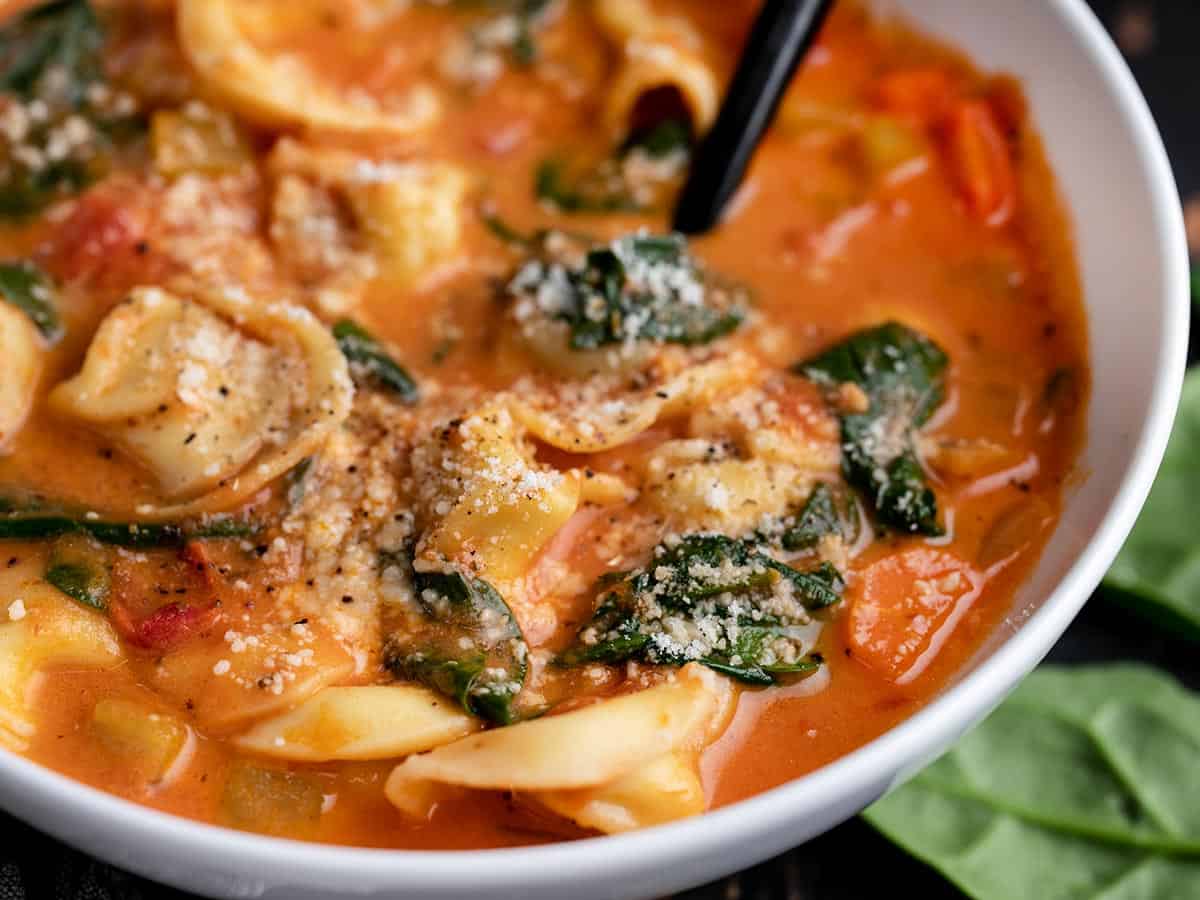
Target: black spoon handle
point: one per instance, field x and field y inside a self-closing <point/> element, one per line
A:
<point x="782" y="33"/>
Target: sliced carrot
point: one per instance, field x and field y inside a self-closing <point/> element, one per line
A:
<point x="903" y="607"/>
<point x="981" y="162"/>
<point x="922" y="94"/>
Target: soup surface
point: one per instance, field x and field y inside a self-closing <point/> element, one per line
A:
<point x="377" y="468"/>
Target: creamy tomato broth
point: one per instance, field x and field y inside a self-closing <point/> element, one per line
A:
<point x="378" y="469"/>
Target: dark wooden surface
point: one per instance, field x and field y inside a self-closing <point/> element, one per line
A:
<point x="1162" y="41"/>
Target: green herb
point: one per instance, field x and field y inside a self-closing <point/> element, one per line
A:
<point x="29" y="289"/>
<point x="661" y="139"/>
<point x="51" y="56"/>
<point x="472" y="649"/>
<point x="590" y="193"/>
<point x="1157" y="573"/>
<point x="743" y="610"/>
<point x="506" y="233"/>
<point x="900" y="371"/>
<point x="529" y="15"/>
<point x="824" y="513"/>
<point x="78" y="567"/>
<point x="1078" y="786"/>
<point x="638" y="288"/>
<point x="370" y="361"/>
<point x="21" y="526"/>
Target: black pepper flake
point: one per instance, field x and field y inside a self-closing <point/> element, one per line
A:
<point x="223" y="391"/>
<point x="12" y="561"/>
<point x="261" y="549"/>
<point x="191" y="437"/>
<point x="346" y="598"/>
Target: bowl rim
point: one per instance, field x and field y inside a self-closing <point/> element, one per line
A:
<point x="281" y="860"/>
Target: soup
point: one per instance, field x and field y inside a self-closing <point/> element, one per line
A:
<point x="377" y="467"/>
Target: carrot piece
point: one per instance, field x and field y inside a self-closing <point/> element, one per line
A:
<point x="922" y="94"/>
<point x="903" y="607"/>
<point x="979" y="158"/>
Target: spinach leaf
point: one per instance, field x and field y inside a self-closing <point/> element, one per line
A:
<point x="637" y="288"/>
<point x="824" y="513"/>
<point x="62" y="117"/>
<point x="78" y="566"/>
<point x="370" y="361"/>
<point x="715" y="599"/>
<point x="1157" y="572"/>
<point x="472" y="649"/>
<point x="589" y="193"/>
<point x="660" y="140"/>
<point x="29" y="289"/>
<point x="900" y="372"/>
<point x="1081" y="784"/>
<point x="24" y="526"/>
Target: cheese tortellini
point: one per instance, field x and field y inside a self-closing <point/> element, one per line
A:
<point x="361" y="722"/>
<point x="409" y="214"/>
<point x="278" y="90"/>
<point x="606" y="765"/>
<point x="658" y="52"/>
<point x="490" y="505"/>
<point x="44" y="629"/>
<point x="214" y="399"/>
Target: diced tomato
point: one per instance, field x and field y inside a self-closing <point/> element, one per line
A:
<point x="105" y="240"/>
<point x="136" y="607"/>
<point x="903" y="607"/>
<point x="981" y="161"/>
<point x="922" y="95"/>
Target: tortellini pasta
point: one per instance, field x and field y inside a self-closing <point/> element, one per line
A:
<point x="755" y="454"/>
<point x="663" y="790"/>
<point x="278" y="90"/>
<point x="602" y="413"/>
<point x="490" y="506"/>
<point x="611" y="766"/>
<point x="232" y="683"/>
<point x="20" y="348"/>
<point x="361" y="722"/>
<point x="409" y="213"/>
<point x="44" y="629"/>
<point x="218" y="398"/>
<point x="657" y="52"/>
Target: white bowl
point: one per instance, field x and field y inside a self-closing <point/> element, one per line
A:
<point x="1111" y="166"/>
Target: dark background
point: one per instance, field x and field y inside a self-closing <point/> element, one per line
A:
<point x="1161" y="40"/>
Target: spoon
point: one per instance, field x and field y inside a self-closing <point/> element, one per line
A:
<point x="782" y="33"/>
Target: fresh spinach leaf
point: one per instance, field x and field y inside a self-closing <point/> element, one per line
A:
<point x="720" y="601"/>
<point x="637" y="288"/>
<point x="29" y="289"/>
<point x="1082" y="784"/>
<point x="900" y="372"/>
<point x="661" y="140"/>
<point x="1157" y="572"/>
<point x="471" y="648"/>
<point x="370" y="361"/>
<point x="78" y="566"/>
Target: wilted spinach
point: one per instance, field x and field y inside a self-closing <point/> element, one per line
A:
<point x="63" y="117"/>
<point x="29" y="289"/>
<point x="1082" y="784"/>
<point x="78" y="566"/>
<point x="900" y="372"/>
<point x="720" y="601"/>
<point x="638" y="288"/>
<point x="369" y="361"/>
<point x="470" y="647"/>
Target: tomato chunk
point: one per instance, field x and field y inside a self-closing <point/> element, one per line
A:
<point x="192" y="583"/>
<point x="903" y="607"/>
<point x="980" y="160"/>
